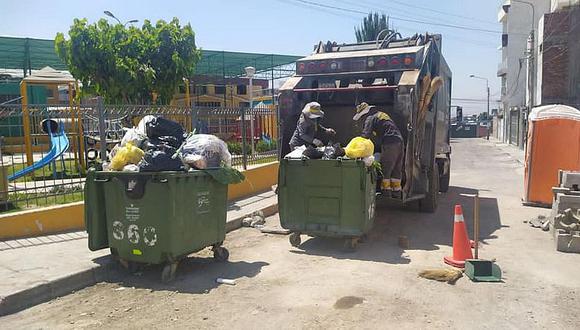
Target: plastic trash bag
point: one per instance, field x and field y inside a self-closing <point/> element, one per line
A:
<point x="160" y="128"/>
<point x="313" y="153"/>
<point x="168" y="140"/>
<point x="132" y="135"/>
<point x="196" y="161"/>
<point x="142" y="126"/>
<point x="200" y="147"/>
<point x="160" y="160"/>
<point x="369" y="160"/>
<point x="359" y="147"/>
<point x="296" y="153"/>
<point x="333" y="152"/>
<point x="131" y="168"/>
<point x="129" y="154"/>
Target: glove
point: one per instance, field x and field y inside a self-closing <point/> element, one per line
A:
<point x="330" y="131"/>
<point x="317" y="142"/>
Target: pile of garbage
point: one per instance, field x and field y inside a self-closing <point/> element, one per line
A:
<point x="357" y="148"/>
<point x="158" y="144"/>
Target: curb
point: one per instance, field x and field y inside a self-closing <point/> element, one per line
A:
<point x="237" y="222"/>
<point x="47" y="291"/>
<point x="42" y="293"/>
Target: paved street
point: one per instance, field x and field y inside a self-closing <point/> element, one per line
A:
<point x="319" y="286"/>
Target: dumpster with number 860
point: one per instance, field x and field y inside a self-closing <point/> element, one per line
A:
<point x="157" y="217"/>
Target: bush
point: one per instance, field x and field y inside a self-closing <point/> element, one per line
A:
<point x="235" y="148"/>
<point x="263" y="146"/>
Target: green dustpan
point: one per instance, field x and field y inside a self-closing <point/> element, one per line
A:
<point x="479" y="270"/>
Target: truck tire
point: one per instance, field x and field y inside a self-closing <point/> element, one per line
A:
<point x="444" y="179"/>
<point x="429" y="203"/>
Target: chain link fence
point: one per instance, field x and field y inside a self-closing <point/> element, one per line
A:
<point x="46" y="149"/>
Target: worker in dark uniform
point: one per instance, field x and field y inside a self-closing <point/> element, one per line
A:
<point x="308" y="127"/>
<point x="379" y="127"/>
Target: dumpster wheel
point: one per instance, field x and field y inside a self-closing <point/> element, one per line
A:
<point x="220" y="253"/>
<point x="168" y="272"/>
<point x="295" y="239"/>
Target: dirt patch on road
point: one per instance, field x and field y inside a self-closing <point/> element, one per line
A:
<point x="348" y="302"/>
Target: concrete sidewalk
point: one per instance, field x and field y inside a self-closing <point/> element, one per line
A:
<point x="35" y="270"/>
<point x="513" y="151"/>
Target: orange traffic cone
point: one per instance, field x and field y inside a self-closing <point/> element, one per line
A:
<point x="461" y="244"/>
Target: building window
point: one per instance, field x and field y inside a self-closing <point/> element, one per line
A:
<point x="504" y="40"/>
<point x="244" y="104"/>
<point x="242" y="90"/>
<point x="221" y="90"/>
<point x="200" y="90"/>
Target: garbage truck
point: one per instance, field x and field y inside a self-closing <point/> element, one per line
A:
<point x="396" y="75"/>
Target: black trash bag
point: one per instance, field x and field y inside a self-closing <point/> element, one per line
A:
<point x="161" y="128"/>
<point x="312" y="153"/>
<point x="168" y="140"/>
<point x="160" y="158"/>
<point x="333" y="151"/>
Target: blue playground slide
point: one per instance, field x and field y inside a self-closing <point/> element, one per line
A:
<point x="59" y="144"/>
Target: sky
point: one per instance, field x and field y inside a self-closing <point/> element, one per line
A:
<point x="294" y="26"/>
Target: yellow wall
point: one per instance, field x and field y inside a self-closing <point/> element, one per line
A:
<point x="258" y="179"/>
<point x="43" y="221"/>
<point x="70" y="217"/>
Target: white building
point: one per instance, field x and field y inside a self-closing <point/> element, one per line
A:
<point x="519" y="20"/>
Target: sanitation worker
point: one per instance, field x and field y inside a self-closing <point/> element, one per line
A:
<point x="382" y="130"/>
<point x="309" y="126"/>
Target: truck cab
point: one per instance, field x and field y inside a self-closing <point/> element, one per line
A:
<point x="392" y="74"/>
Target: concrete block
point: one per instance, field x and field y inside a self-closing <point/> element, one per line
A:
<point x="564" y="202"/>
<point x="569" y="220"/>
<point x="571" y="180"/>
<point x="567" y="242"/>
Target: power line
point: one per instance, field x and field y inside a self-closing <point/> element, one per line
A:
<point x="401" y="12"/>
<point x="437" y="11"/>
<point x="316" y="4"/>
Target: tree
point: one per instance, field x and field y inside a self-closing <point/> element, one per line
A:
<point x="129" y="64"/>
<point x="371" y="26"/>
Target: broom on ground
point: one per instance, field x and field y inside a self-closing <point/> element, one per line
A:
<point x="448" y="275"/>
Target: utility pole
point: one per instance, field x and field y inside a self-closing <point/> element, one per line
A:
<point x="489" y="121"/>
<point x="487" y="89"/>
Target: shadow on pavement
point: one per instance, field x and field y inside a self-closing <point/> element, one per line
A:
<point x="366" y="251"/>
<point x="195" y="275"/>
<point x="423" y="231"/>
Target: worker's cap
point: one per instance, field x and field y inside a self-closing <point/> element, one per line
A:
<point x="312" y="110"/>
<point x="361" y="110"/>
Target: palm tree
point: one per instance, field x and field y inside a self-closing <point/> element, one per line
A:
<point x="371" y="26"/>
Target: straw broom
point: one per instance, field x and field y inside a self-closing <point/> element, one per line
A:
<point x="448" y="275"/>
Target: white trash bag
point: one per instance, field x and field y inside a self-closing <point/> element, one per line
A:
<point x="134" y="136"/>
<point x="142" y="126"/>
<point x="296" y="153"/>
<point x="205" y="151"/>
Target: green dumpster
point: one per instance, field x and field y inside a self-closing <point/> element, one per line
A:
<point x="334" y="198"/>
<point x="155" y="218"/>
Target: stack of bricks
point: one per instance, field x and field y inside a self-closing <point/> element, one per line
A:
<point x="565" y="219"/>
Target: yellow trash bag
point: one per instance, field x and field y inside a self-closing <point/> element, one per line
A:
<point x="129" y="154"/>
<point x="359" y="147"/>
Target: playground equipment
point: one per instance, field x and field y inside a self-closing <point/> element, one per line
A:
<point x="59" y="144"/>
<point x="49" y="76"/>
